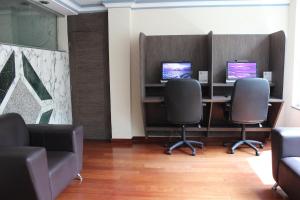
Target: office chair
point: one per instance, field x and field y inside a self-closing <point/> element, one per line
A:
<point x="249" y="105"/>
<point x="183" y="99"/>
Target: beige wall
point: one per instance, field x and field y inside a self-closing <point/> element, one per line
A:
<point x="62" y="34"/>
<point x="119" y="68"/>
<point x="292" y="68"/>
<point x="200" y="20"/>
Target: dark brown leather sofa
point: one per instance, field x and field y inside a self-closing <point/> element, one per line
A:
<point x="286" y="160"/>
<point x="37" y="161"/>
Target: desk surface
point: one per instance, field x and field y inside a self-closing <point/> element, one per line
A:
<point x="215" y="99"/>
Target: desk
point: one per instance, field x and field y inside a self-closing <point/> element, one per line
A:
<point x="214" y="116"/>
<point x="215" y="99"/>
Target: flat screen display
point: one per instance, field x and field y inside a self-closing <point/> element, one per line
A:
<point x="176" y="70"/>
<point x="238" y="70"/>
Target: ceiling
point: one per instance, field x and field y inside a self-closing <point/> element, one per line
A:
<point x="87" y="2"/>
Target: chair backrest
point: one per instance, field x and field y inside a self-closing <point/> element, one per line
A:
<point x="183" y="100"/>
<point x="13" y="130"/>
<point x="249" y="101"/>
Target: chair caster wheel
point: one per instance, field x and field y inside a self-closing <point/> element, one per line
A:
<point x="193" y="153"/>
<point x="257" y="153"/>
<point x="275" y="186"/>
<point x="169" y="152"/>
<point x="261" y="146"/>
<point x="231" y="151"/>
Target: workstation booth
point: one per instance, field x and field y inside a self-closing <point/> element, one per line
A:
<point x="211" y="53"/>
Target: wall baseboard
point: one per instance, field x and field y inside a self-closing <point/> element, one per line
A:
<point x="210" y="141"/>
<point x="122" y="141"/>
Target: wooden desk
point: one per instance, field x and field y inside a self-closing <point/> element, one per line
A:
<point x="215" y="99"/>
<point x="215" y="117"/>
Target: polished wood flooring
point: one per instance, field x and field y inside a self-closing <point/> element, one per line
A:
<point x="143" y="171"/>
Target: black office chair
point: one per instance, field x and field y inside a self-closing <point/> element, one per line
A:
<point x="183" y="100"/>
<point x="249" y="105"/>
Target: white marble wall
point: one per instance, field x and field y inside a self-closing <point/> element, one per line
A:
<point x="52" y="67"/>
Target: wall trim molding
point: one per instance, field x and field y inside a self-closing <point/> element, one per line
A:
<point x="210" y="141"/>
<point x="81" y="9"/>
<point x="205" y="3"/>
<point x="67" y="7"/>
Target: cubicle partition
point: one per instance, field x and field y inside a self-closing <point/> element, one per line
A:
<point x="210" y="53"/>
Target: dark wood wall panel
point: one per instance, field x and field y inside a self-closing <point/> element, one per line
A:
<point x="192" y="48"/>
<point x="89" y="68"/>
<point x="239" y="47"/>
<point x="210" y="59"/>
<point x="142" y="42"/>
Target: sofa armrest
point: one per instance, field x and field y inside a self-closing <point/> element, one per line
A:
<point x="24" y="173"/>
<point x="58" y="138"/>
<point x="285" y="143"/>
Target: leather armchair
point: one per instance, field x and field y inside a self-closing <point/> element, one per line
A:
<point x="286" y="160"/>
<point x="37" y="161"/>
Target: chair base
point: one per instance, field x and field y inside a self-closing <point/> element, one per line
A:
<point x="250" y="143"/>
<point x="275" y="186"/>
<point x="79" y="177"/>
<point x="188" y="143"/>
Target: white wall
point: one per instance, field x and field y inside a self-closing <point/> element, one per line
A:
<point x="197" y="20"/>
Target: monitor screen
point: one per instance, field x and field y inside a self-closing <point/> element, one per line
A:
<point x="237" y="70"/>
<point x="173" y="70"/>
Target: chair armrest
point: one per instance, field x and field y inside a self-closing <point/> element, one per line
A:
<point x="58" y="138"/>
<point x="285" y="143"/>
<point x="24" y="173"/>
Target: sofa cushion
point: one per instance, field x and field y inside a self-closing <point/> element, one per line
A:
<point x="62" y="169"/>
<point x="13" y="130"/>
<point x="293" y="163"/>
<point x="289" y="176"/>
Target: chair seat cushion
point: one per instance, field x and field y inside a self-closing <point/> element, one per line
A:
<point x="62" y="169"/>
<point x="289" y="176"/>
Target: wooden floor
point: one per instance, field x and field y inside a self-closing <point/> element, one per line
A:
<point x="143" y="171"/>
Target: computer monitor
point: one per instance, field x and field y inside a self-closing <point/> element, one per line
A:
<point x="237" y="70"/>
<point x="176" y="70"/>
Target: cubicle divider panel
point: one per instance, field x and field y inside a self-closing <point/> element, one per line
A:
<point x="219" y="115"/>
<point x="239" y="47"/>
<point x="206" y="114"/>
<point x="155" y="91"/>
<point x="222" y="91"/>
<point x="209" y="53"/>
<point x="156" y="115"/>
<point x="193" y="48"/>
<point x="273" y="114"/>
<point x="142" y="62"/>
<point x="277" y="53"/>
<point x="210" y="69"/>
<point x="142" y="48"/>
